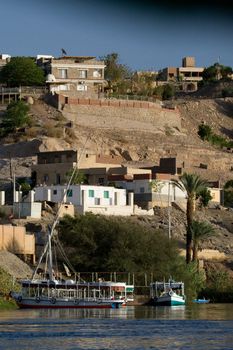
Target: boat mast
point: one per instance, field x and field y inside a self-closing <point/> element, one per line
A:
<point x="48" y="246"/>
<point x="50" y="257"/>
<point x="169" y="211"/>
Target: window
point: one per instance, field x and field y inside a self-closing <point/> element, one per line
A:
<point x="54" y="191"/>
<point x="97" y="73"/>
<point x="64" y="87"/>
<point x="101" y="181"/>
<point x="97" y="201"/>
<point x="46" y="177"/>
<point x="63" y="73"/>
<point x="81" y="87"/>
<point x="91" y="193"/>
<point x="142" y="189"/>
<point x="82" y="73"/>
<point x="57" y="159"/>
<point x="115" y="198"/>
<point x="58" y="179"/>
<point x="69" y="193"/>
<point x="106" y="194"/>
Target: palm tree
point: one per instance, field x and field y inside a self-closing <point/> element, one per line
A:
<point x="200" y="231"/>
<point x="190" y="184"/>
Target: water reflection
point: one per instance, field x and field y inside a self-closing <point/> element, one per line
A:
<point x="85" y="313"/>
<point x="192" y="327"/>
<point x="181" y="312"/>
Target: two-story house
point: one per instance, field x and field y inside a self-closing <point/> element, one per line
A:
<point x="78" y="76"/>
<point x="187" y="76"/>
<point x="54" y="168"/>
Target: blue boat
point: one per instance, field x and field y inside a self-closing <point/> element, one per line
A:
<point x="201" y="301"/>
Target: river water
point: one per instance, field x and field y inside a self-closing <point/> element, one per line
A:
<point x="200" y="327"/>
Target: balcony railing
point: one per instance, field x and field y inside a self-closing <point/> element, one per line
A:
<point x="24" y="89"/>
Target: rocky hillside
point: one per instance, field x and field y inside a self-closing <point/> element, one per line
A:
<point x="141" y="141"/>
<point x="136" y="141"/>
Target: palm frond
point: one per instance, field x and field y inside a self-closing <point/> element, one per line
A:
<point x="201" y="230"/>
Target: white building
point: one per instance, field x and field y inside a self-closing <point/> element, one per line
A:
<point x="150" y="192"/>
<point x="96" y="199"/>
<point x="150" y="189"/>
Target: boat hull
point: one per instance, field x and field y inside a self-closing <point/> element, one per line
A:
<point x="47" y="304"/>
<point x="52" y="303"/>
<point x="86" y="306"/>
<point x="169" y="301"/>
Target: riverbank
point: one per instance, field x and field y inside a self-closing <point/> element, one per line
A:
<point x="7" y="304"/>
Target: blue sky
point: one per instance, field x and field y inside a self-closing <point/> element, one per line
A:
<point x="146" y="34"/>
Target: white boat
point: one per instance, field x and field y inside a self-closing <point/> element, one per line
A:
<point x="69" y="294"/>
<point x="51" y="292"/>
<point x="167" y="294"/>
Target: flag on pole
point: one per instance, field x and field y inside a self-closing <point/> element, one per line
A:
<point x="63" y="52"/>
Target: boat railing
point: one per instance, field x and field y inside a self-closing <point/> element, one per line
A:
<point x="167" y="285"/>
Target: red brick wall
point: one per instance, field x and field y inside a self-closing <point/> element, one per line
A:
<point x="111" y="103"/>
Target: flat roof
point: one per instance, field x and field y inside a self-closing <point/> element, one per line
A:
<point x="75" y="57"/>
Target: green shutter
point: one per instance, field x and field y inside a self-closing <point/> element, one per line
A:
<point x="69" y="193"/>
<point x="91" y="193"/>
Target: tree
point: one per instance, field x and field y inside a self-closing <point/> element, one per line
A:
<point x="216" y="72"/>
<point x="204" y="197"/>
<point x="16" y="116"/>
<point x="77" y="177"/>
<point x="165" y="92"/>
<point x="100" y="243"/>
<point x="228" y="193"/>
<point x="226" y="71"/>
<point x="115" y="72"/>
<point x="200" y="231"/>
<point x="156" y="185"/>
<point x="21" y="71"/>
<point x="168" y="92"/>
<point x="143" y="83"/>
<point x="191" y="184"/>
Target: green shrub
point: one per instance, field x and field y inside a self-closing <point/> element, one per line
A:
<point x="16" y="116"/>
<point x="204" y="131"/>
<point x="206" y="134"/>
<point x="227" y="92"/>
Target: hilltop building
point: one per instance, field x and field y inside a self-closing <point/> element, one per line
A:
<point x="81" y="76"/>
<point x="187" y="76"/>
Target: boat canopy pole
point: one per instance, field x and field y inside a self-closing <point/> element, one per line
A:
<point x="40" y="260"/>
